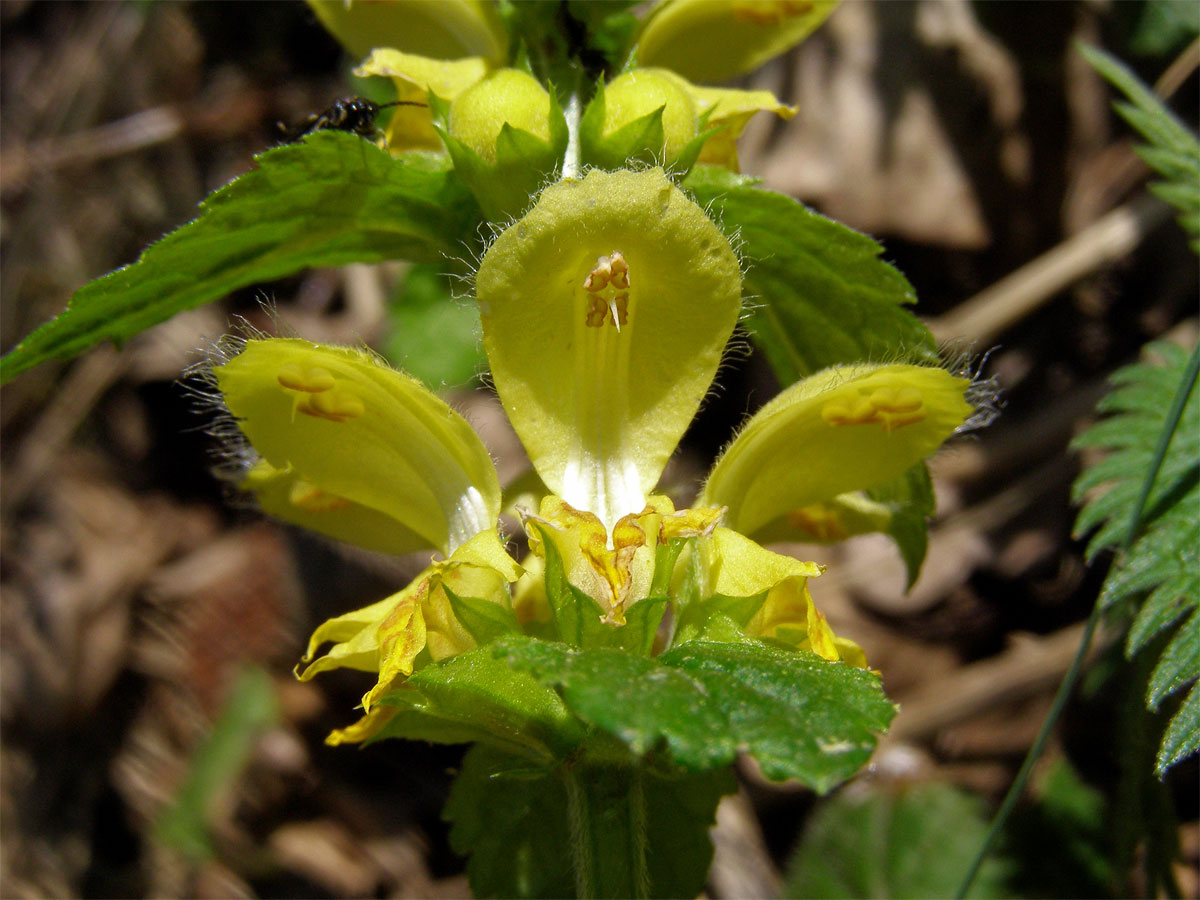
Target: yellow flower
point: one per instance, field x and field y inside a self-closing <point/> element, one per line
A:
<point x="388" y="636"/>
<point x="605" y="312"/>
<point x="716" y="115"/>
<point x="614" y="570"/>
<point x="347" y="446"/>
<point x="841" y="430"/>
<point x="715" y="40"/>
<point x="415" y="78"/>
<point x="728" y="110"/>
<point x="454" y="50"/>
<point x="445" y="29"/>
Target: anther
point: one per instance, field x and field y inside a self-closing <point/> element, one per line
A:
<point x="310" y="498"/>
<point x="336" y="406"/>
<point x="610" y="271"/>
<point x="310" y="379"/>
<point x="890" y="407"/>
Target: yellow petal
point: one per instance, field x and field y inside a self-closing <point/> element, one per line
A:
<point x="416" y="77"/>
<point x="738" y="567"/>
<point x="355" y="644"/>
<point x="530" y="603"/>
<point x="605" y="312"/>
<point x="715" y="40"/>
<point x="446" y="29"/>
<point x="850" y="653"/>
<point x="486" y="551"/>
<point x="828" y="521"/>
<point x="789" y="614"/>
<point x="423" y="617"/>
<point x="288" y="496"/>
<point x="844" y="429"/>
<point x="614" y="576"/>
<point x="730" y="110"/>
<point x="386" y="637"/>
<point x="364" y="729"/>
<point x="401" y="636"/>
<point x="340" y="422"/>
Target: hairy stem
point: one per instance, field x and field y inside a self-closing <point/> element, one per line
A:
<point x="607" y="812"/>
<point x="572" y="167"/>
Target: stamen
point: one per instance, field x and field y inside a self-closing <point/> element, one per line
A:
<point x="818" y="520"/>
<point x="608" y="285"/>
<point x="310" y="498"/>
<point x="310" y="379"/>
<point x="890" y="407"/>
<point x="336" y="406"/>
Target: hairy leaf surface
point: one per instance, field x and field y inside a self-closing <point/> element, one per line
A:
<point x="329" y="200"/>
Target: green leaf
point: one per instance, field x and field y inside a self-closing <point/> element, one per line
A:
<point x="1159" y="573"/>
<point x="1164" y="25"/>
<point x="513" y="824"/>
<point x="1179" y="663"/>
<point x="904" y="841"/>
<point x="680" y="810"/>
<point x="329" y="200"/>
<point x="717" y="618"/>
<point x="250" y="709"/>
<point x="911" y="501"/>
<point x="432" y="336"/>
<point x="818" y="293"/>
<point x="609" y="26"/>
<point x="1165" y="563"/>
<point x="800" y="716"/>
<point x="475" y="696"/>
<point x="484" y="620"/>
<point x="634" y="698"/>
<point x="1142" y="394"/>
<point x="1174" y="151"/>
<point x="517" y="826"/>
<point x="1182" y="737"/>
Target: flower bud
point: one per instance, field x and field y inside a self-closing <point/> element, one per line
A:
<point x="505" y="97"/>
<point x="638" y="93"/>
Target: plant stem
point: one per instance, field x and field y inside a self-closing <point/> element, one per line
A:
<point x="607" y="811"/>
<point x="1170" y="426"/>
<point x="583" y="843"/>
<point x="572" y="167"/>
<point x="1039" y="743"/>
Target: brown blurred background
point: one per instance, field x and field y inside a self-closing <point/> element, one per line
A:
<point x="970" y="138"/>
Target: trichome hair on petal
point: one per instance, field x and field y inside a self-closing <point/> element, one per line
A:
<point x="231" y="453"/>
<point x="984" y="394"/>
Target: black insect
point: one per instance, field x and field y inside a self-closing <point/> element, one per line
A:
<point x="355" y="115"/>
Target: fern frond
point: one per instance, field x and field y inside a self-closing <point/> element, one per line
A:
<point x="1161" y="567"/>
<point x="1173" y="151"/>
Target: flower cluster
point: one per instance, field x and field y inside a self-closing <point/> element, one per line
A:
<point x="606" y="308"/>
